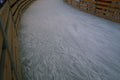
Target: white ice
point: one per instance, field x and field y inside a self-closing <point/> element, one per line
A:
<point x="59" y="42"/>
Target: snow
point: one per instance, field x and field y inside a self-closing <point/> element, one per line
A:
<point x="59" y="42"/>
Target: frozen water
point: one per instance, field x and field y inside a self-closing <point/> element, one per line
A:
<point x="59" y="42"/>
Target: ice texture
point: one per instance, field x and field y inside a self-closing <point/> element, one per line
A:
<point x="59" y="42"/>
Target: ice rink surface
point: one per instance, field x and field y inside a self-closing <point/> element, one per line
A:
<point x="59" y="42"/>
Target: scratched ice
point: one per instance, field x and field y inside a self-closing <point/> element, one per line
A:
<point x="59" y="42"/>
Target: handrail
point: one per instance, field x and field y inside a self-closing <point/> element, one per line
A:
<point x="10" y="12"/>
<point x="9" y="50"/>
